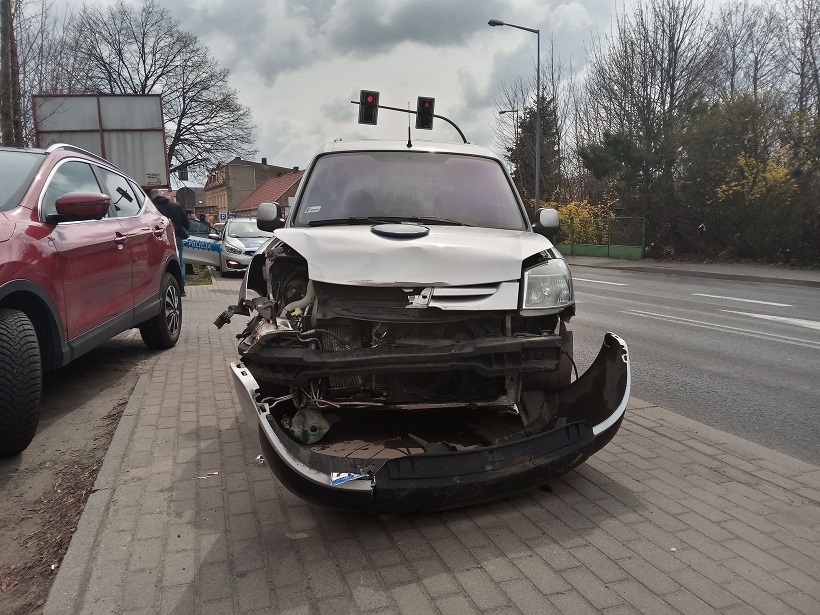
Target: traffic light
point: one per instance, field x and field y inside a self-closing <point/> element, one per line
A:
<point x="368" y="107"/>
<point x="424" y="113"/>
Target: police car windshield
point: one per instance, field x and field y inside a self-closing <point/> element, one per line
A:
<point x="245" y="229"/>
<point x="458" y="188"/>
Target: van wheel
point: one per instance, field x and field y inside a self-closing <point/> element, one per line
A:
<point x="21" y="382"/>
<point x="162" y="331"/>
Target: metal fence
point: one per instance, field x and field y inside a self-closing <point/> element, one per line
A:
<point x="616" y="237"/>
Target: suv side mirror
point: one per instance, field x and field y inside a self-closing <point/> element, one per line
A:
<point x="81" y="206"/>
<point x="546" y="222"/>
<point x="269" y="217"/>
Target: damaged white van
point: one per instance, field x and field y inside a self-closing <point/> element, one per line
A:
<point x="408" y="346"/>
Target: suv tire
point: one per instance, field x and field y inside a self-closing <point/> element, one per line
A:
<point x="21" y="382"/>
<point x="162" y="331"/>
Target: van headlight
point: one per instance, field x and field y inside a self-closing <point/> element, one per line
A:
<point x="548" y="286"/>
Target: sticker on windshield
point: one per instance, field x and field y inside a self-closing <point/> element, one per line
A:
<point x="313" y="209"/>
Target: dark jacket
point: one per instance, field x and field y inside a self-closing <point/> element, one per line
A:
<point x="173" y="211"/>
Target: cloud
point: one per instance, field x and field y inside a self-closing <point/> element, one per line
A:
<point x="297" y="64"/>
<point x="360" y="28"/>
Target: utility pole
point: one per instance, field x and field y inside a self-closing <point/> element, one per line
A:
<point x="11" y="112"/>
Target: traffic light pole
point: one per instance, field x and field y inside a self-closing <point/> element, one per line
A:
<point x="441" y="117"/>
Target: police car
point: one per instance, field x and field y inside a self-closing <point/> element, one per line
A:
<point x="228" y="250"/>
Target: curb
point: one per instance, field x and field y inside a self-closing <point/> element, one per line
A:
<point x="705" y="274"/>
<point x="74" y="572"/>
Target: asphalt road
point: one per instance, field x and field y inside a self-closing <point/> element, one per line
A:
<point x="743" y="357"/>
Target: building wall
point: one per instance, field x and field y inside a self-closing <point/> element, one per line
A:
<point x="229" y="184"/>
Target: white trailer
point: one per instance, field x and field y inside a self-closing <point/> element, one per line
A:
<point x="126" y="129"/>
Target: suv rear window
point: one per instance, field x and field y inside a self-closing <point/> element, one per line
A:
<point x="17" y="169"/>
<point x="467" y="189"/>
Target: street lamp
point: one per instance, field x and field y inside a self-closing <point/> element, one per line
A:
<point x="515" y="133"/>
<point x="497" y="22"/>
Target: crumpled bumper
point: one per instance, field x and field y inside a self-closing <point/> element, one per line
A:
<point x="594" y="406"/>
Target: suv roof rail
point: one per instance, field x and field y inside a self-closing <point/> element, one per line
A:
<point x="73" y="148"/>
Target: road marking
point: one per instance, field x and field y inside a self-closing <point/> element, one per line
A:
<point x="797" y="322"/>
<point x="726" y="328"/>
<point x="598" y="281"/>
<point x="744" y="300"/>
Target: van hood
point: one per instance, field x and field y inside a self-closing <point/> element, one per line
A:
<point x="446" y="256"/>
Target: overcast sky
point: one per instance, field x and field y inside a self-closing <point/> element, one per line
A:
<point x="297" y="64"/>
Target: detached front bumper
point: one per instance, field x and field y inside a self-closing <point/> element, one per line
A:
<point x="593" y="407"/>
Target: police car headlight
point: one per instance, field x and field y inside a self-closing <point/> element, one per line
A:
<point x="233" y="249"/>
<point x="548" y="286"/>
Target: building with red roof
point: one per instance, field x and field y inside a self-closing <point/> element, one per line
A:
<point x="273" y="190"/>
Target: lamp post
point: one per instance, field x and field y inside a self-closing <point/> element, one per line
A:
<point x="515" y="129"/>
<point x="497" y="22"/>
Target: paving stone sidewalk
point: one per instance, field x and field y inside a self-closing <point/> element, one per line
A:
<point x="671" y="517"/>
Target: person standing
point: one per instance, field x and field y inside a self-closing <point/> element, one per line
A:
<point x="174" y="212"/>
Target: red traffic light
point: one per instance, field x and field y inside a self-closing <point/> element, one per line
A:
<point x="368" y="107"/>
<point x="424" y="113"/>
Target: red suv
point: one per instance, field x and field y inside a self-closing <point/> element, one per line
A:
<point x="84" y="255"/>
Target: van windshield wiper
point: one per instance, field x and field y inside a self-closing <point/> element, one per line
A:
<point x="421" y="219"/>
<point x="381" y="219"/>
<point x="429" y="220"/>
<point x="352" y="220"/>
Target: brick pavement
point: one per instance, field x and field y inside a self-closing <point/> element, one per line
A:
<point x="671" y="517"/>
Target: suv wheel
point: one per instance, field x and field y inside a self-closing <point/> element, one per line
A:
<point x="21" y="382"/>
<point x="163" y="330"/>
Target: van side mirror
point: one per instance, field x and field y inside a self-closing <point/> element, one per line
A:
<point x="546" y="222"/>
<point x="269" y="217"/>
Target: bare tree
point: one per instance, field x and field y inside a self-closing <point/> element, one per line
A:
<point x="143" y="50"/>
<point x="514" y="131"/>
<point x="749" y="49"/>
<point x="11" y="120"/>
<point x="646" y="80"/>
<point x="802" y="30"/>
<point x="48" y="64"/>
<point x="513" y="98"/>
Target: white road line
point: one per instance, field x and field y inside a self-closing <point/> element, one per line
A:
<point x="715" y="327"/>
<point x="598" y="281"/>
<point x="744" y="300"/>
<point x="797" y="322"/>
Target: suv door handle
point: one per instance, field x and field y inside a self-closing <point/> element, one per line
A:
<point x="120" y="239"/>
<point x="159" y="232"/>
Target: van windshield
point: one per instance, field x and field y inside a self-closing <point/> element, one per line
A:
<point x="461" y="189"/>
